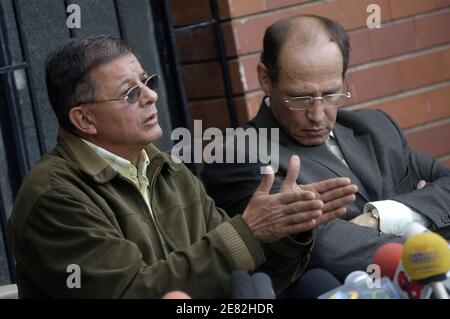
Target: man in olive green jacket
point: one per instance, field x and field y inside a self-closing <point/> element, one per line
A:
<point x="107" y="215"/>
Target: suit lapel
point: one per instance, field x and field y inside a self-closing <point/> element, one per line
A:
<point x="360" y="156"/>
<point x="318" y="163"/>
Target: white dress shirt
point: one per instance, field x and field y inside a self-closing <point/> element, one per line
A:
<point x="394" y="217"/>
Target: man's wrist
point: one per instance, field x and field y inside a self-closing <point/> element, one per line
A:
<point x="373" y="213"/>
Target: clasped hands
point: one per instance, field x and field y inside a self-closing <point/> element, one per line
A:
<point x="296" y="208"/>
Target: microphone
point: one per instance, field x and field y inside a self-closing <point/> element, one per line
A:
<point x="262" y="286"/>
<point x="361" y="290"/>
<point x="241" y="285"/>
<point x="314" y="283"/>
<point x="426" y="259"/>
<point x="357" y="276"/>
<point x="388" y="257"/>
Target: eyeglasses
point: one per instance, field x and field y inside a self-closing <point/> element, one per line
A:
<point x="301" y="103"/>
<point x="133" y="94"/>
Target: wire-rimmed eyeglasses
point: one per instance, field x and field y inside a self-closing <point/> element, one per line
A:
<point x="134" y="93"/>
<point x="301" y="103"/>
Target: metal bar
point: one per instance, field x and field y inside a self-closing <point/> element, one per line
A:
<point x="31" y="86"/>
<point x="12" y="68"/>
<point x="13" y="109"/>
<point x="16" y="125"/>
<point x="193" y="27"/>
<point x="224" y="64"/>
<point x="174" y="63"/>
<point x="71" y="31"/>
<point x="8" y="249"/>
<point x="179" y="110"/>
<point x="121" y="25"/>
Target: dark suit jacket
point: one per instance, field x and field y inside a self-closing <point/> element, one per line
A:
<point x="381" y="164"/>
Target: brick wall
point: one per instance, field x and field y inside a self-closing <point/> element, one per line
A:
<point x="402" y="68"/>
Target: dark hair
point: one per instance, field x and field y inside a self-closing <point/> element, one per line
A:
<point x="277" y="34"/>
<point x="68" y="68"/>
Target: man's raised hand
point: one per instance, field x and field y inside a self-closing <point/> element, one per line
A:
<point x="335" y="193"/>
<point x="272" y="217"/>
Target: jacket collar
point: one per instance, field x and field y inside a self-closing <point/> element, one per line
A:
<point x="74" y="150"/>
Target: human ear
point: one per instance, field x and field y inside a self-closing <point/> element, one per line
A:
<point x="83" y="120"/>
<point x="264" y="79"/>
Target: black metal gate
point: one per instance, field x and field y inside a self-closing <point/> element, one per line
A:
<point x="29" y="30"/>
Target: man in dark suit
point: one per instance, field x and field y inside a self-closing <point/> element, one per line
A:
<point x="302" y="73"/>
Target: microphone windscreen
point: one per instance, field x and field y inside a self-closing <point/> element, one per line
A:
<point x="241" y="285"/>
<point x="262" y="286"/>
<point x="314" y="283"/>
<point x="362" y="290"/>
<point x="355" y="277"/>
<point x="388" y="257"/>
<point x="426" y="257"/>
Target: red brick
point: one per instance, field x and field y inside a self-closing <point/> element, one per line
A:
<point x="203" y="80"/>
<point x="420" y="108"/>
<point x="247" y="106"/>
<point x="214" y="113"/>
<point x="329" y="10"/>
<point x="197" y="45"/>
<point x="433" y="30"/>
<point x="408" y="111"/>
<point x="224" y="9"/>
<point x="421" y="70"/>
<point x="440" y="103"/>
<point x="447" y="162"/>
<point x="442" y="3"/>
<point x="447" y="62"/>
<point x="404" y="8"/>
<point x="432" y="141"/>
<point x="375" y="82"/>
<point x="196" y="11"/>
<point x="237" y="8"/>
<point x="253" y="31"/>
<point x="231" y="34"/>
<point x="392" y="39"/>
<point x="360" y="47"/>
<point x="249" y="32"/>
<point x="243" y="74"/>
<point x="238" y="80"/>
<point x="353" y="13"/>
<point x="275" y="4"/>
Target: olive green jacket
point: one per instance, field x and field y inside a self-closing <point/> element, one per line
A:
<point x="74" y="209"/>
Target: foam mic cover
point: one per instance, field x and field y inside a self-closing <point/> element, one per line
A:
<point x="426" y="257"/>
<point x="241" y="285"/>
<point x="388" y="257"/>
<point x="262" y="286"/>
<point x="356" y="276"/>
<point x="361" y="290"/>
<point x="314" y="283"/>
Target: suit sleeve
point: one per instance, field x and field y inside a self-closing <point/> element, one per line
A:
<point x="433" y="201"/>
<point x="232" y="186"/>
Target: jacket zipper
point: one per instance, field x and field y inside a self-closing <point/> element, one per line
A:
<point x="162" y="236"/>
<point x="150" y="211"/>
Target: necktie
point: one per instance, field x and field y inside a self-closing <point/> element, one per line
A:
<point x="333" y="147"/>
